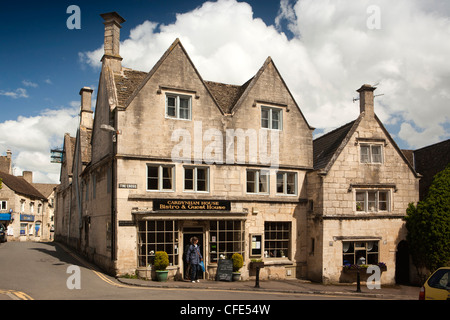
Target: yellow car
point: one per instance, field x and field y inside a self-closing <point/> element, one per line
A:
<point x="437" y="286"/>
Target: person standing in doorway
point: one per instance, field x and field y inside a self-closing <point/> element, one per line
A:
<point x="193" y="258"/>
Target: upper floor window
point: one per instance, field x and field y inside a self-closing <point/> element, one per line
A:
<point x="271" y="118"/>
<point x="178" y="106"/>
<point x="257" y="181"/>
<point x="3" y="205"/>
<point x="371" y="153"/>
<point x="160" y="178"/>
<point x="287" y="183"/>
<point x="372" y="201"/>
<point x="196" y="179"/>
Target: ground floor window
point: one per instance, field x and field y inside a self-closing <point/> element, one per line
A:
<point x="159" y="235"/>
<point x="277" y="239"/>
<point x="23" y="229"/>
<point x="360" y="252"/>
<point x="226" y="238"/>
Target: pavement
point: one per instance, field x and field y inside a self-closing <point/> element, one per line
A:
<point x="394" y="292"/>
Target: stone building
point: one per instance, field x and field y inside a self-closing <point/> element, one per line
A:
<point x="168" y="155"/>
<point x="26" y="208"/>
<point x="359" y="192"/>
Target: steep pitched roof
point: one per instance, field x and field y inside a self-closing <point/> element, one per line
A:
<point x="227" y="97"/>
<point x="328" y="147"/>
<point x="19" y="185"/>
<point x="45" y="189"/>
<point x="325" y="148"/>
<point x="127" y="82"/>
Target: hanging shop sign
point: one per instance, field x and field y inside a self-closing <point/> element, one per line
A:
<point x="191" y="205"/>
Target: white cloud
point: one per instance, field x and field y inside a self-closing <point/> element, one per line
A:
<point x="31" y="138"/>
<point x="28" y="83"/>
<point x="18" y="93"/>
<point x="332" y="53"/>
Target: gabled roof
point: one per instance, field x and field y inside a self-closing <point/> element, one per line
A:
<point x="19" y="185"/>
<point x="45" y="189"/>
<point x="326" y="146"/>
<point x="228" y="97"/>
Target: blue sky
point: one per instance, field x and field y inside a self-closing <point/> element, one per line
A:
<point x="325" y="50"/>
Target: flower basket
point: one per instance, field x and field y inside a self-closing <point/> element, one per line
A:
<point x="363" y="267"/>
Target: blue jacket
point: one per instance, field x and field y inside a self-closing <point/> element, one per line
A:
<point x="193" y="255"/>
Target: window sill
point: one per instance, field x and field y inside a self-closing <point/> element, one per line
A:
<point x="277" y="262"/>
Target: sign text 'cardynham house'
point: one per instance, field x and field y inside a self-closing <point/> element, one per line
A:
<point x="171" y="204"/>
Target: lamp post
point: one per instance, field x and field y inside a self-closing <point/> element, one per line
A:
<point x="360" y="262"/>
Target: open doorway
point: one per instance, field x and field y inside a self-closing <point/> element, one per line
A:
<point x="189" y="233"/>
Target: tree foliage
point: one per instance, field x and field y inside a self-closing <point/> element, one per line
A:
<point x="428" y="225"/>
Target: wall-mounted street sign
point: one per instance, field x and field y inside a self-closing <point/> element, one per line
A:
<point x="176" y="204"/>
<point x="127" y="186"/>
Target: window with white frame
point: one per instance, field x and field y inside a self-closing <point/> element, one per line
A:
<point x="372" y="201"/>
<point x="196" y="179"/>
<point x="257" y="181"/>
<point x="271" y="118"/>
<point x="287" y="183"/>
<point x="360" y="252"/>
<point x="160" y="178"/>
<point x="3" y="205"/>
<point x="178" y="106"/>
<point x="371" y="153"/>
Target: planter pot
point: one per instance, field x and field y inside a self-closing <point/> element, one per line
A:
<point x="254" y="265"/>
<point x="161" y="275"/>
<point x="236" y="276"/>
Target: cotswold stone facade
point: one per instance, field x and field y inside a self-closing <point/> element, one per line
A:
<point x="169" y="156"/>
<point x="360" y="189"/>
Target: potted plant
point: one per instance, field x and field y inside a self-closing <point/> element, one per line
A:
<point x="238" y="262"/>
<point x="160" y="264"/>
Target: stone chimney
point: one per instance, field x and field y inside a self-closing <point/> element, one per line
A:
<point x="5" y="162"/>
<point x="366" y="100"/>
<point x="28" y="176"/>
<point x="86" y="119"/>
<point x="112" y="24"/>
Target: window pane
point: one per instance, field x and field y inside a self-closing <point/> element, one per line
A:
<point x="276" y="119"/>
<point x="376" y="154"/>
<point x="167" y="178"/>
<point x="291" y="182"/>
<point x="189" y="179"/>
<point x="383" y="201"/>
<point x="171" y="106"/>
<point x="251" y="176"/>
<point x="152" y="178"/>
<point x="184" y="108"/>
<point x="365" y="154"/>
<point x="265" y="118"/>
<point x="263" y="182"/>
<point x="201" y="179"/>
<point x="280" y="183"/>
<point x="360" y="201"/>
<point x="371" y="203"/>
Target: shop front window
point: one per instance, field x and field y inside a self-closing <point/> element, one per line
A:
<point x="277" y="241"/>
<point x="159" y="235"/>
<point x="360" y="252"/>
<point x="226" y="238"/>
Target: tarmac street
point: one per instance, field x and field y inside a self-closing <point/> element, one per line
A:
<point x="50" y="271"/>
